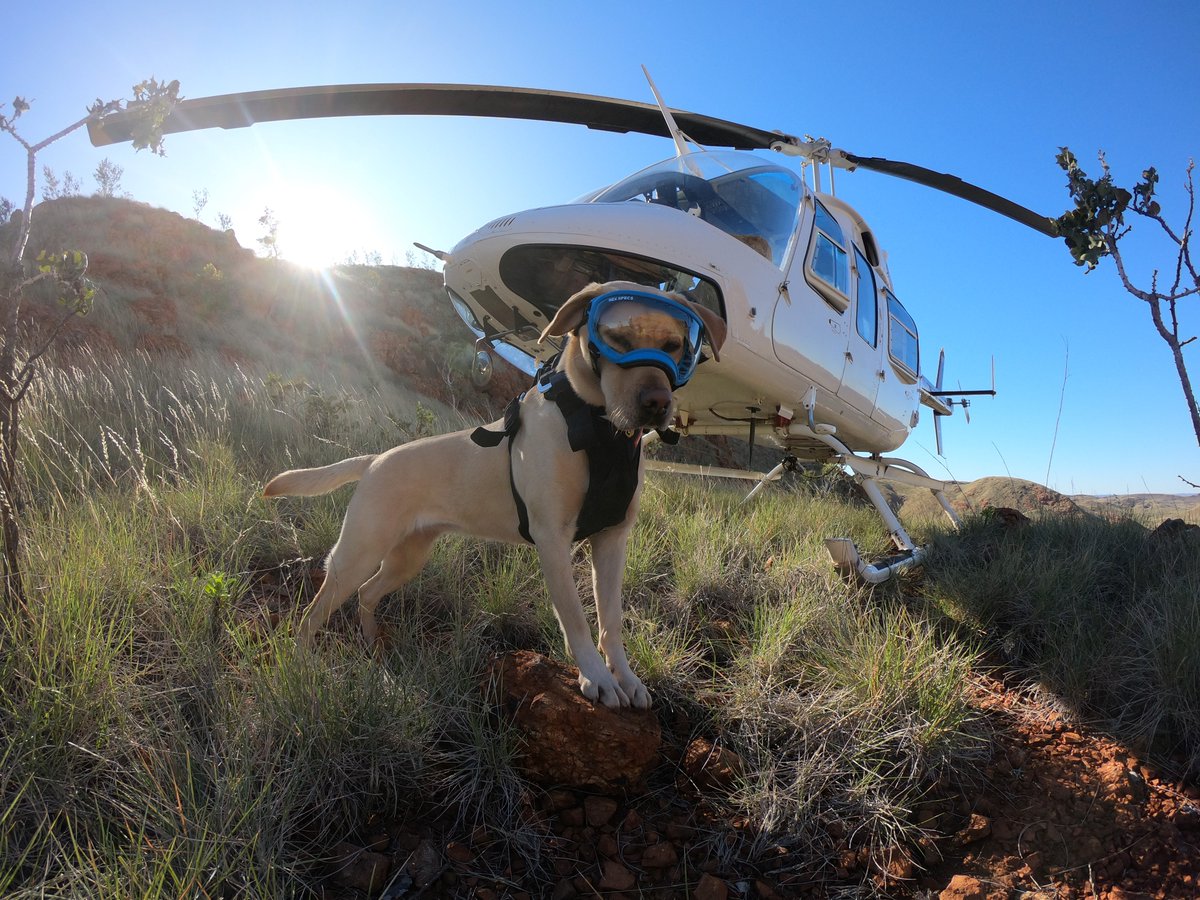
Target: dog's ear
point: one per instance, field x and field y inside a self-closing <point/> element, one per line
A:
<point x="714" y="326"/>
<point x="570" y="314"/>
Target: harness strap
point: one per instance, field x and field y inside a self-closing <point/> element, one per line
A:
<point x="613" y="456"/>
<point x="486" y="438"/>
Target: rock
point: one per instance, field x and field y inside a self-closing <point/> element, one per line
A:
<point x="1121" y="782"/>
<point x="1172" y="530"/>
<point x="710" y="887"/>
<point x="931" y="853"/>
<point x="1187" y="817"/>
<point x="976" y="829"/>
<point x="607" y="845"/>
<point x="964" y="887"/>
<point x="893" y="864"/>
<point x="425" y="863"/>
<point x="660" y="856"/>
<point x="361" y="870"/>
<point x="1006" y="516"/>
<point x="459" y="852"/>
<point x="711" y="766"/>
<point x="573" y="817"/>
<point x="616" y="877"/>
<point x="379" y="842"/>
<point x="568" y="740"/>
<point x="631" y="822"/>
<point x="599" y="810"/>
<point x="558" y="800"/>
<point x="679" y="831"/>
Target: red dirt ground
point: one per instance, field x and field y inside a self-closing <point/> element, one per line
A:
<point x="1068" y="812"/>
<point x="1061" y="812"/>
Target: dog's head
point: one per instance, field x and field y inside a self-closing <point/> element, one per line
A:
<point x="633" y="350"/>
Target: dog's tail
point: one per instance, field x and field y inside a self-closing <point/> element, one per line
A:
<point x="310" y="482"/>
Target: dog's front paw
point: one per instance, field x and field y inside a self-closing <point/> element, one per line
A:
<point x="600" y="686"/>
<point x="632" y="687"/>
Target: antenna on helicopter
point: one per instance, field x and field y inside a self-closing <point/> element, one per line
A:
<point x="681" y="139"/>
<point x="440" y="254"/>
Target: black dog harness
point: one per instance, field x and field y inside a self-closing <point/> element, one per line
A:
<point x="613" y="455"/>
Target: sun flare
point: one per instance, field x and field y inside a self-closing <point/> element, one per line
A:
<point x="320" y="225"/>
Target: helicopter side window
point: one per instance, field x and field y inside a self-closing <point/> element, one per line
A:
<point x="902" y="338"/>
<point x="829" y="263"/>
<point x="867" y="318"/>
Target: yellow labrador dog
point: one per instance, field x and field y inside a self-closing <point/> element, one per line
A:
<point x="564" y="464"/>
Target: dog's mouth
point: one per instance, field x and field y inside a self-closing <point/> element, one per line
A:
<point x="623" y="422"/>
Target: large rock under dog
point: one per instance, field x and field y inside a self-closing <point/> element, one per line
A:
<point x="567" y="740"/>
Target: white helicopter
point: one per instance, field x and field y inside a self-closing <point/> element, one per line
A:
<point x="821" y="361"/>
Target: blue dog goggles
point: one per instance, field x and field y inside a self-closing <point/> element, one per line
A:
<point x="622" y="330"/>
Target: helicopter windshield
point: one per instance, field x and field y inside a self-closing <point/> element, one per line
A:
<point x="754" y="201"/>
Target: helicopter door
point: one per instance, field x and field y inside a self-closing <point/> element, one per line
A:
<point x="864" y="364"/>
<point x="809" y="330"/>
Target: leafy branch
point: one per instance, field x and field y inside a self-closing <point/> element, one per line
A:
<point x="1095" y="228"/>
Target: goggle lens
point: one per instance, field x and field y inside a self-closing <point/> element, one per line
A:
<point x="631" y="328"/>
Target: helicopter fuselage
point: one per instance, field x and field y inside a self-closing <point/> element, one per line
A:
<point x="797" y="275"/>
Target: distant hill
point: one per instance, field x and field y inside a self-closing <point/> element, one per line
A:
<point x="1026" y="496"/>
<point x="1034" y="499"/>
<point x="1151" y="508"/>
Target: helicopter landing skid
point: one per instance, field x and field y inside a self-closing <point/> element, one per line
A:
<point x="867" y="472"/>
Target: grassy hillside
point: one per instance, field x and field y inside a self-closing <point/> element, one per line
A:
<point x="1037" y="500"/>
<point x="162" y="735"/>
<point x="177" y="290"/>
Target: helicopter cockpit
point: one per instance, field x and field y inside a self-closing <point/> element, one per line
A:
<point x="753" y="201"/>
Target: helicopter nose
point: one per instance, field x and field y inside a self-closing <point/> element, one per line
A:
<point x="655" y="401"/>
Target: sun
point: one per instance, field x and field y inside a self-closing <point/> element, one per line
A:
<point x="318" y="225"/>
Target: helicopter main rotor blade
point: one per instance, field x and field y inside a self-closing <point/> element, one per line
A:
<point x="952" y="184"/>
<point x="602" y="113"/>
<point x="494" y="101"/>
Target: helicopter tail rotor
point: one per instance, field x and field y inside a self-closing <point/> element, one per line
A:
<point x="943" y="402"/>
<point x="937" y="414"/>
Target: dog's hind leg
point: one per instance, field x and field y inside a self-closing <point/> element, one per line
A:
<point x="352" y="561"/>
<point x="402" y="562"/>
<point x="608" y="570"/>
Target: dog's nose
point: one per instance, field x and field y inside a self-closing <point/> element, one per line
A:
<point x="655" y="402"/>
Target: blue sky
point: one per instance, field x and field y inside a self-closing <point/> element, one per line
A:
<point x="987" y="91"/>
